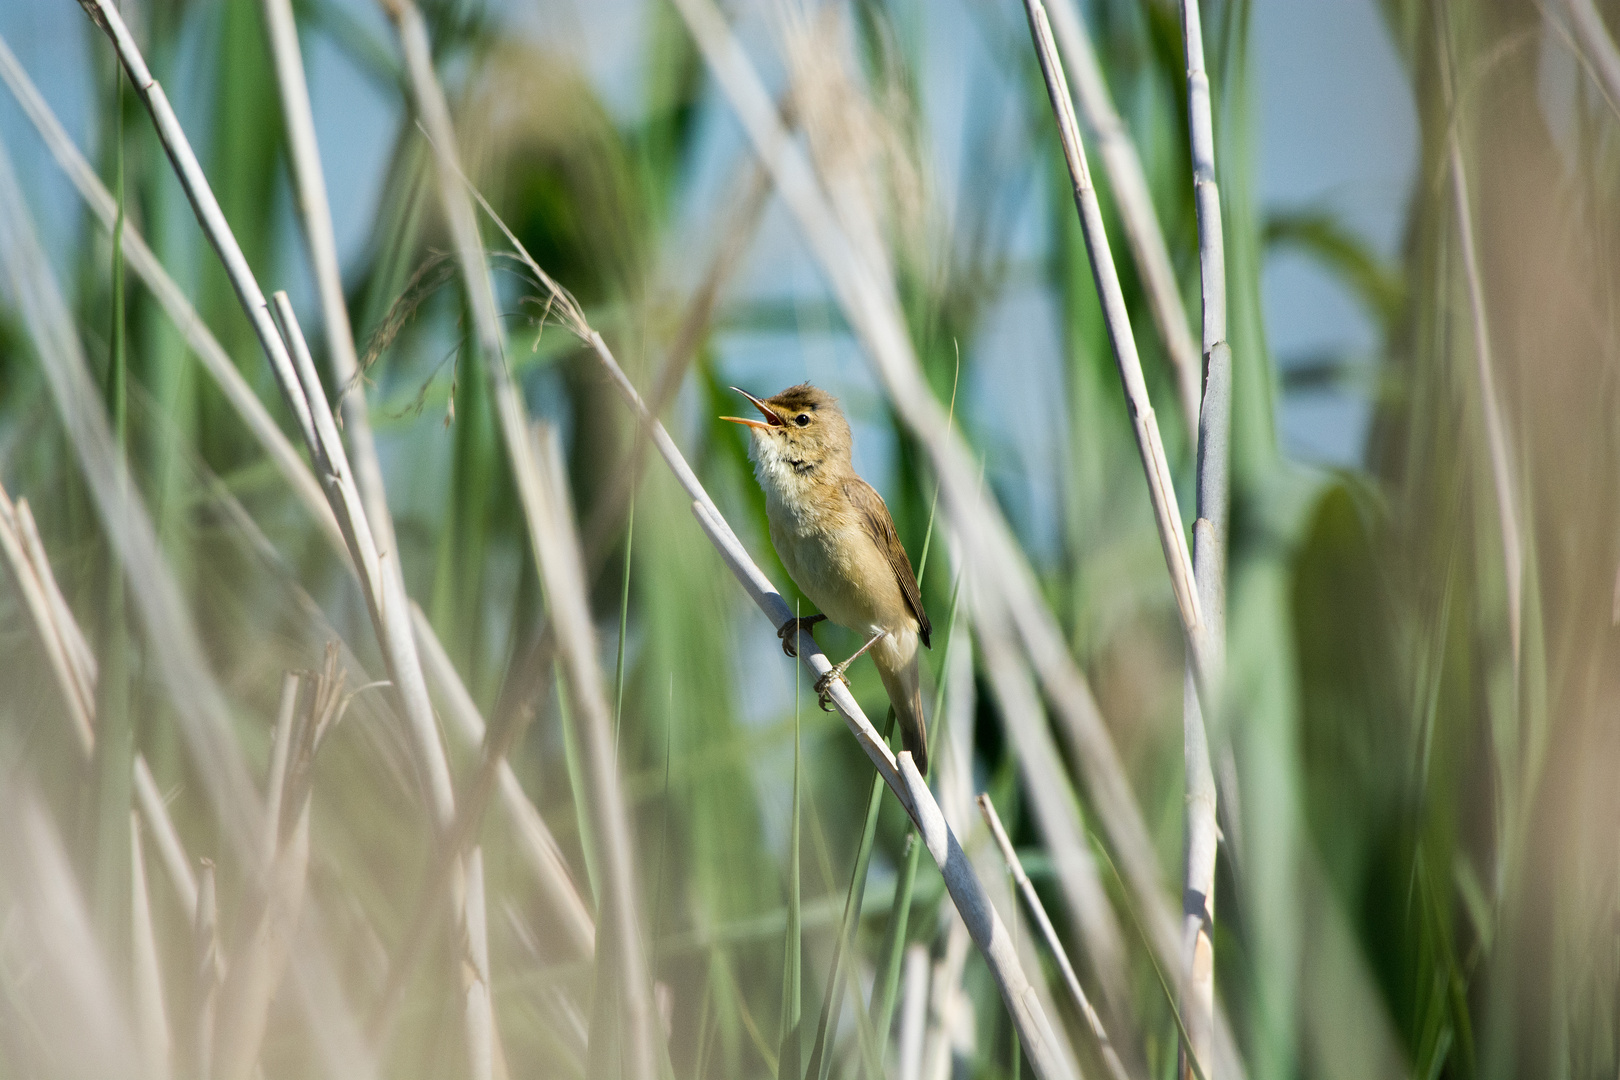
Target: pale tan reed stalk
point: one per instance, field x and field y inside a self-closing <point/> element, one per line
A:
<point x="555" y="542"/>
<point x="1135" y="203"/>
<point x="1051" y="799"/>
<point x="289" y="360"/>
<point x="78" y="692"/>
<point x="1161" y="487"/>
<point x="208" y="969"/>
<point x="1209" y="558"/>
<point x="535" y="842"/>
<point x="75" y="670"/>
<point x="309" y="183"/>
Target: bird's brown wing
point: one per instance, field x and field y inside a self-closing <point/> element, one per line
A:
<point x="874" y="515"/>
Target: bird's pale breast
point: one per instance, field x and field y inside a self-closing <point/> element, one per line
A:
<point x="837" y="565"/>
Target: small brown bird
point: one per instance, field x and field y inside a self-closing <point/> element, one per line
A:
<point x="837" y="541"/>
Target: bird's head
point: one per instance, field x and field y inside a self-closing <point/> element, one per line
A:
<point x="801" y="435"/>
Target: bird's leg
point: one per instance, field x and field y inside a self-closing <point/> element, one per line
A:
<point x="823" y="685"/>
<point x="789" y="631"/>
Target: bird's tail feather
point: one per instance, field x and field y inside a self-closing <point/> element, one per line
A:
<point x="904" y="685"/>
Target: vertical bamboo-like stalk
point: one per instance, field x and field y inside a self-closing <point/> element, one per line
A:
<point x="1209" y="562"/>
<point x="289" y="358"/>
<point x="315" y="211"/>
<point x="309" y="183"/>
<point x="1161" y="488"/>
<point x="1050" y="798"/>
<point x="555" y="544"/>
<point x="1142" y="230"/>
<point x="207" y="966"/>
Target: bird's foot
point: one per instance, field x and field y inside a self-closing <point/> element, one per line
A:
<point x="788" y="632"/>
<point x="823" y="685"/>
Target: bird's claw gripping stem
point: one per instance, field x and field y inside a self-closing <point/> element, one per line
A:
<point x="789" y="631"/>
<point x="823" y="685"/>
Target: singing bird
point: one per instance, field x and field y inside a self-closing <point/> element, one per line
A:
<point x="837" y="541"/>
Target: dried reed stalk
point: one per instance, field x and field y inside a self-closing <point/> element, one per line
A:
<point x="75" y="671"/>
<point x="315" y="211"/>
<point x="78" y="687"/>
<point x="268" y="921"/>
<point x="1135" y="203"/>
<point x="1209" y="559"/>
<point x="555" y="542"/>
<point x="1161" y="487"/>
<point x="914" y="1012"/>
<point x="1037" y="911"/>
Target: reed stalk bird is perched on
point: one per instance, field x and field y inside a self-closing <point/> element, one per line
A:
<point x="838" y="543"/>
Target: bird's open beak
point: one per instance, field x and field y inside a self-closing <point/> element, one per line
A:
<point x="772" y="419"/>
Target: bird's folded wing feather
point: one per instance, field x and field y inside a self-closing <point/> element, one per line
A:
<point x="874" y="515"/>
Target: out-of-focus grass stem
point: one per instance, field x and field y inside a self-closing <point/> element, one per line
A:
<point x="316" y="216"/>
<point x="790" y="1055"/>
<point x="538" y="844"/>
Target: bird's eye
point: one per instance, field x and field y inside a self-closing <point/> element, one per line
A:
<point x="802" y="419"/>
